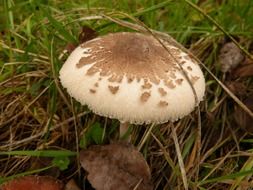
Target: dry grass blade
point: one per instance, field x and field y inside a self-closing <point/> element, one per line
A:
<point x="165" y="153"/>
<point x="179" y="156"/>
<point x="77" y="140"/>
<point x="198" y="143"/>
<point x="27" y="74"/>
<point x="145" y="137"/>
<point x="219" y="164"/>
<point x="138" y="184"/>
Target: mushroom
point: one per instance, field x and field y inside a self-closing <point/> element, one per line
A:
<point x="33" y="183"/>
<point x="133" y="78"/>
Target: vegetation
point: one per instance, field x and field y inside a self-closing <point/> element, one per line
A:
<point x="42" y="129"/>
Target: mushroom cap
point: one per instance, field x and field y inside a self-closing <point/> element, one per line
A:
<point x="132" y="77"/>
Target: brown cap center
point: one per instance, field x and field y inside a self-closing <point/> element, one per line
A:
<point x="129" y="54"/>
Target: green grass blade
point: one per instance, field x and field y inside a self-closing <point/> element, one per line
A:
<point x="226" y="177"/>
<point x="60" y="28"/>
<point x="4" y="179"/>
<point x="246" y="167"/>
<point x="40" y="153"/>
<point x="152" y="8"/>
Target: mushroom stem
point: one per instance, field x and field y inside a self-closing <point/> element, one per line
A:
<point x="123" y="128"/>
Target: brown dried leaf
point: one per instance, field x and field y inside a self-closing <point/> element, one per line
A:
<point x="33" y="183"/>
<point x="87" y="34"/>
<point x="70" y="47"/>
<point x="229" y="57"/>
<point x="242" y="118"/>
<point x="116" y="166"/>
<point x="237" y="87"/>
<point x="244" y="71"/>
<point x="71" y="185"/>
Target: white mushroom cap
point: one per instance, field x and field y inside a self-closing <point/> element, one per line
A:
<point x="131" y="77"/>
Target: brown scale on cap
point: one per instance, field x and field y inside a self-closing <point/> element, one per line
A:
<point x="92" y="91"/>
<point x="91" y="71"/>
<point x="131" y="55"/>
<point x="138" y="78"/>
<point x="179" y="81"/>
<point x="119" y="79"/>
<point x="96" y="84"/>
<point x="189" y="68"/>
<point x="172" y="75"/>
<point x="194" y="79"/>
<point x="115" y="78"/>
<point x="145" y="96"/>
<point x="102" y="73"/>
<point x="170" y="84"/>
<point x="175" y="51"/>
<point x="186" y="57"/>
<point x="190" y="58"/>
<point x="162" y="92"/>
<point x="146" y="84"/>
<point x="163" y="104"/>
<point x="129" y="80"/>
<point x="113" y="89"/>
<point x="182" y="62"/>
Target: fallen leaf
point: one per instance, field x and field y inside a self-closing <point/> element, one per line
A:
<point x="244" y="71"/>
<point x="116" y="166"/>
<point x="242" y="118"/>
<point x="71" y="185"/>
<point x="33" y="183"/>
<point x="230" y="56"/>
<point x="70" y="47"/>
<point x="87" y="34"/>
<point x="237" y="87"/>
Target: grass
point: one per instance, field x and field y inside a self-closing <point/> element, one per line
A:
<point x="37" y="114"/>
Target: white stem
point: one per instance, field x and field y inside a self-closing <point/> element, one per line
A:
<point x="123" y="129"/>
